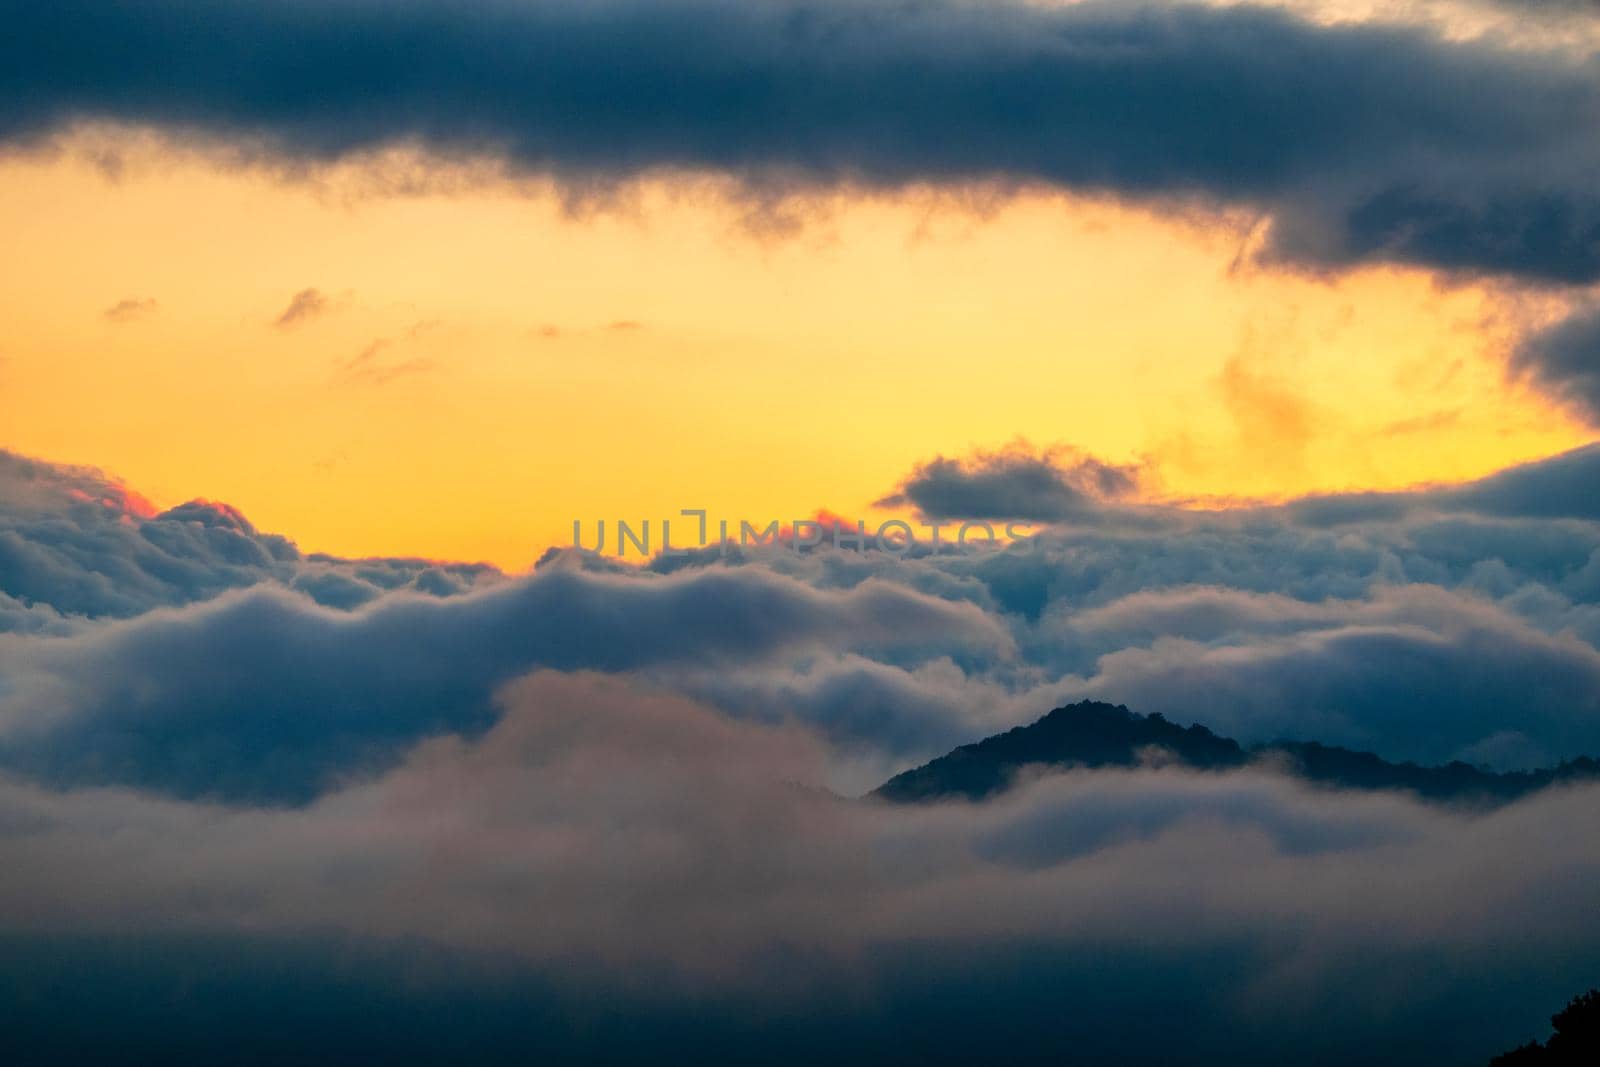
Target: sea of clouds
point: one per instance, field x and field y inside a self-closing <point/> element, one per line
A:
<point x="638" y="787"/>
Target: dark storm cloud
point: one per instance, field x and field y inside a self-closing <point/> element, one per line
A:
<point x="1016" y="483"/>
<point x="1363" y="142"/>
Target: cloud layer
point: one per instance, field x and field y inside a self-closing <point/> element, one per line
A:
<point x="623" y="795"/>
<point x="1453" y="622"/>
<point x="658" y="856"/>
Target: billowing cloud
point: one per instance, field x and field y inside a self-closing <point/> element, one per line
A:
<point x="1015" y="483"/>
<point x="1362" y="141"/>
<point x="36" y="489"/>
<point x="265" y="695"/>
<point x="1419" y="674"/>
<point x="75" y="542"/>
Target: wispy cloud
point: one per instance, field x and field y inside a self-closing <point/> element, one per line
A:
<point x="305" y="305"/>
<point x="130" y="310"/>
<point x="550" y="331"/>
<point x="370" y="367"/>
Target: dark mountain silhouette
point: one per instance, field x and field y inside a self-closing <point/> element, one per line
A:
<point x="1576" y="1039"/>
<point x="1092" y="734"/>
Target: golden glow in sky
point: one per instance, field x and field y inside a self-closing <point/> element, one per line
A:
<point x="481" y="363"/>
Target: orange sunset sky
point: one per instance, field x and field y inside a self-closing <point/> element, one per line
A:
<point x="486" y="360"/>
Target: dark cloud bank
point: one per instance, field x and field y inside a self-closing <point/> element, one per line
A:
<point x="593" y="811"/>
<point x="1366" y="142"/>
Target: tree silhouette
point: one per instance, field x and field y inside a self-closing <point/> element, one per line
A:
<point x="1576" y="1039"/>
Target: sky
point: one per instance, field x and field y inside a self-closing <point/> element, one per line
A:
<point x="479" y="368"/>
<point x="1271" y="329"/>
<point x="385" y="352"/>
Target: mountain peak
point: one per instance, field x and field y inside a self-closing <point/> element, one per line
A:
<point x="1092" y="734"/>
<point x="1087" y="734"/>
